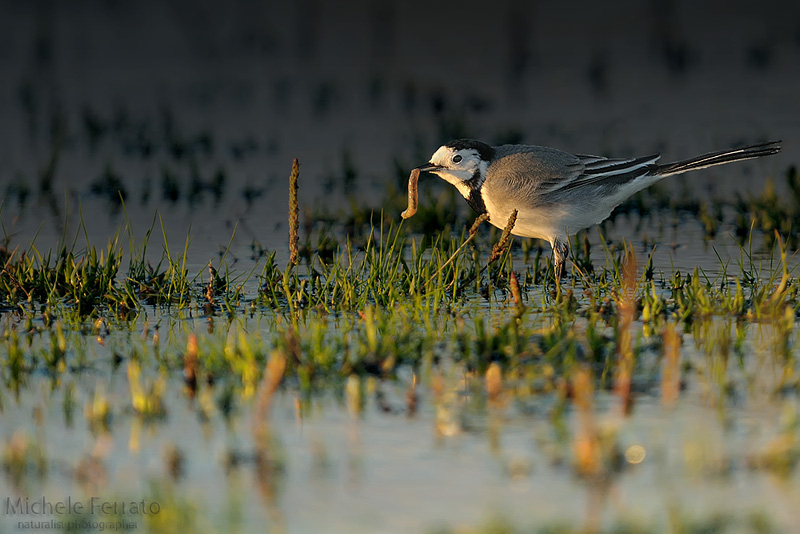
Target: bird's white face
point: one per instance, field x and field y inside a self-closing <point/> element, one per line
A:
<point x="457" y="166"/>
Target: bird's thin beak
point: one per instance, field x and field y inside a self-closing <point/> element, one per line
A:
<point x="427" y="167"/>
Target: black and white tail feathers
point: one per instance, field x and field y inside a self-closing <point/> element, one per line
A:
<point x="716" y="158"/>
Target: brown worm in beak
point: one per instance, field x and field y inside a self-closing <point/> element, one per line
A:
<point x="412" y="195"/>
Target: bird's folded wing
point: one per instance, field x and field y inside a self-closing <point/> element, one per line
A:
<point x="611" y="172"/>
<point x="537" y="172"/>
<point x="529" y="171"/>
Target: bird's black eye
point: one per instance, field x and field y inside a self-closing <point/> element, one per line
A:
<point x="457" y="158"/>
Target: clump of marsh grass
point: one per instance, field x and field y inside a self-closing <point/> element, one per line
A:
<point x="498" y="249"/>
<point x="473" y="231"/>
<point x="771" y="212"/>
<point x="781" y="454"/>
<point x="147" y="397"/>
<point x="23" y="459"/>
<point x="98" y="413"/>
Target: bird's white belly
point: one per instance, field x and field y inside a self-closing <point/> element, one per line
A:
<point x="538" y="223"/>
<point x="543" y="222"/>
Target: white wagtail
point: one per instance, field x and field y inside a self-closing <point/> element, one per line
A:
<point x="557" y="193"/>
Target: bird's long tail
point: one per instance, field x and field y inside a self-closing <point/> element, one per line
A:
<point x="717" y="158"/>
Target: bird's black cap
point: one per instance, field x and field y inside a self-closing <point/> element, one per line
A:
<point x="485" y="151"/>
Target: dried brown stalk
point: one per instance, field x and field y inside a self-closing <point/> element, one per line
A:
<point x="294" y="213"/>
<point x="671" y="377"/>
<point x="627" y="311"/>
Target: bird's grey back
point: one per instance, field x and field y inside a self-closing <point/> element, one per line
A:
<point x="519" y="171"/>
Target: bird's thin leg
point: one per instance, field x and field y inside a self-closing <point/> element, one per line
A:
<point x="560" y="253"/>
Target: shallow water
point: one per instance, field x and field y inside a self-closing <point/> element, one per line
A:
<point x="383" y="472"/>
<point x="457" y="460"/>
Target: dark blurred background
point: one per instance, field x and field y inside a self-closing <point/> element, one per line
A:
<point x="169" y="101"/>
